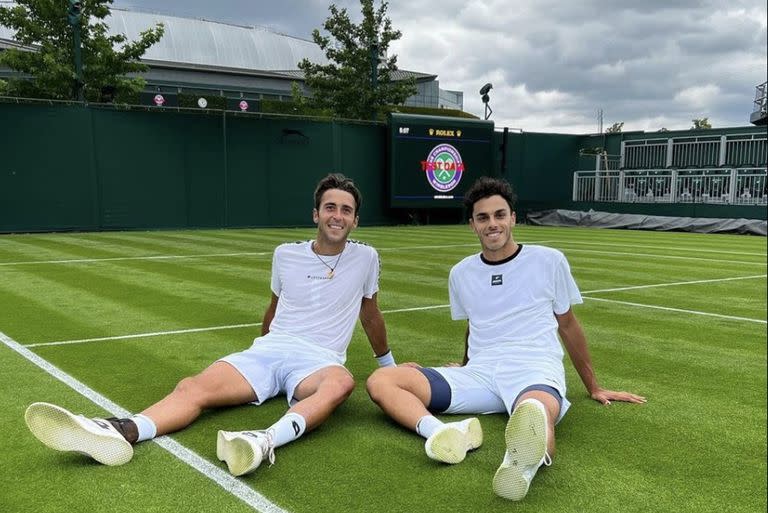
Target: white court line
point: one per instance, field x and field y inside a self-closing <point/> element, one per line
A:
<point x="653" y="255"/>
<point x="228" y="482"/>
<point x="669" y="309"/>
<point x="209" y="255"/>
<point x="145" y="335"/>
<point x="399" y="310"/>
<point x="672" y="248"/>
<point x="194" y="330"/>
<point x="148" y="257"/>
<point x="677" y="283"/>
<point x="402" y="248"/>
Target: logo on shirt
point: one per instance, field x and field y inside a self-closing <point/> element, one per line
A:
<point x="496" y="279"/>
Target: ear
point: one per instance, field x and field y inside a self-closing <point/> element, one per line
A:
<point x="514" y="220"/>
<point x="357" y="220"/>
<point x="315" y="216"/>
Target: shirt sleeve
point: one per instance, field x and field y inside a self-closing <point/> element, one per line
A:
<point x="372" y="278"/>
<point x="457" y="309"/>
<point x="566" y="291"/>
<point x="276" y="285"/>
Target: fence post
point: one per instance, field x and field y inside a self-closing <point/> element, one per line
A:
<point x="621" y="159"/>
<point x="575" y="184"/>
<point x="732" y="187"/>
<point x="673" y="187"/>
<point x="621" y="187"/>
<point x="723" y="146"/>
<point x="670" y="149"/>
<point x="595" y="189"/>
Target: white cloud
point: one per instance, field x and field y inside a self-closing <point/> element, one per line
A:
<point x="647" y="63"/>
<point x="698" y="97"/>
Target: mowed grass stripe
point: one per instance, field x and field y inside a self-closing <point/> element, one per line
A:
<point x="745" y="299"/>
<point x="117" y="298"/>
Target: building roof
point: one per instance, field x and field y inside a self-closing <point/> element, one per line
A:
<point x="206" y="43"/>
<point x="400" y="74"/>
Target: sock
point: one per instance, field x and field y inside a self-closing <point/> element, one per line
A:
<point x="147" y="428"/>
<point x="427" y="425"/>
<point x="290" y="427"/>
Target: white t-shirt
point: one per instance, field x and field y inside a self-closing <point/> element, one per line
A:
<point x="510" y="304"/>
<point x="314" y="307"/>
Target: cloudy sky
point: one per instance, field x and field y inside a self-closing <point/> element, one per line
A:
<point x="554" y="63"/>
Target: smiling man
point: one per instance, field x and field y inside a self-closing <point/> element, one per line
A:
<point x="516" y="300"/>
<point x="319" y="288"/>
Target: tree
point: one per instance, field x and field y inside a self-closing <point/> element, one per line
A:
<point x="43" y="26"/>
<point x="701" y="124"/>
<point x="615" y="128"/>
<point x="346" y="85"/>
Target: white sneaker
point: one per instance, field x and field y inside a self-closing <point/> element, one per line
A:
<point x="451" y="441"/>
<point x="244" y="450"/>
<point x="61" y="430"/>
<point x="526" y="439"/>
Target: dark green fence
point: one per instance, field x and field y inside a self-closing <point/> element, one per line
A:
<point x="72" y="167"/>
<point x="87" y="168"/>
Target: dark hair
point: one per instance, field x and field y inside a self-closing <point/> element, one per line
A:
<point x="485" y="187"/>
<point x="341" y="182"/>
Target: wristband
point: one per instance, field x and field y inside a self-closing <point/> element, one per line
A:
<point x="386" y="360"/>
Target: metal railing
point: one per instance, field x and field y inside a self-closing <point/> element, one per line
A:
<point x="761" y="99"/>
<point x="733" y="186"/>
<point x="701" y="151"/>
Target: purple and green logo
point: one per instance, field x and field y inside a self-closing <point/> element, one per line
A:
<point x="443" y="167"/>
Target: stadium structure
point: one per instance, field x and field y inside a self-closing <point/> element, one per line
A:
<point x="198" y="56"/>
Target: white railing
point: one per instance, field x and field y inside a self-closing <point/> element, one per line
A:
<point x="700" y="151"/>
<point x="761" y="99"/>
<point x="734" y="186"/>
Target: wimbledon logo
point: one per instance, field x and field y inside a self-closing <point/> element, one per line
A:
<point x="444" y="167"/>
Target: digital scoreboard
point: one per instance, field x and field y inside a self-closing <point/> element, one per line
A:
<point x="433" y="160"/>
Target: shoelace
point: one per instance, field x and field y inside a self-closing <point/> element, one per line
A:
<point x="269" y="450"/>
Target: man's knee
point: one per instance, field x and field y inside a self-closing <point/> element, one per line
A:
<point x="340" y="387"/>
<point x="192" y="389"/>
<point x="381" y="380"/>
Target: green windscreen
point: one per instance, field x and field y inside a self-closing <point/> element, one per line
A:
<point x="433" y="160"/>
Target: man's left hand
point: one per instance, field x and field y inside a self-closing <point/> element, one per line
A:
<point x="606" y="396"/>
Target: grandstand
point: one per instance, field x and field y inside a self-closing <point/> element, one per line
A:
<point x="759" y="114"/>
<point x="726" y="167"/>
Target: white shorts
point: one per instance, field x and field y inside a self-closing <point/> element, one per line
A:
<point x="276" y="364"/>
<point x="493" y="388"/>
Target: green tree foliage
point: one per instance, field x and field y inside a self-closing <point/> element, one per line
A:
<point x="344" y="86"/>
<point x="701" y="124"/>
<point x="615" y="128"/>
<point x="107" y="60"/>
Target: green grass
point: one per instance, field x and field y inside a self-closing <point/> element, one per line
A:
<point x="698" y="445"/>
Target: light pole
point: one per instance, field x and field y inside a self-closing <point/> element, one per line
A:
<point x="74" y="15"/>
<point x="484" y="96"/>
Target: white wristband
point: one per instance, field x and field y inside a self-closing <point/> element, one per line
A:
<point x="386" y="360"/>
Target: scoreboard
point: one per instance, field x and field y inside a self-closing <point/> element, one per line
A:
<point x="433" y="160"/>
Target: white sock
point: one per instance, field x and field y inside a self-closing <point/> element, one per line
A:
<point x="290" y="427"/>
<point x="427" y="425"/>
<point x="147" y="428"/>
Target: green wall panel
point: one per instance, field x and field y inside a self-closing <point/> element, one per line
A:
<point x="46" y="169"/>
